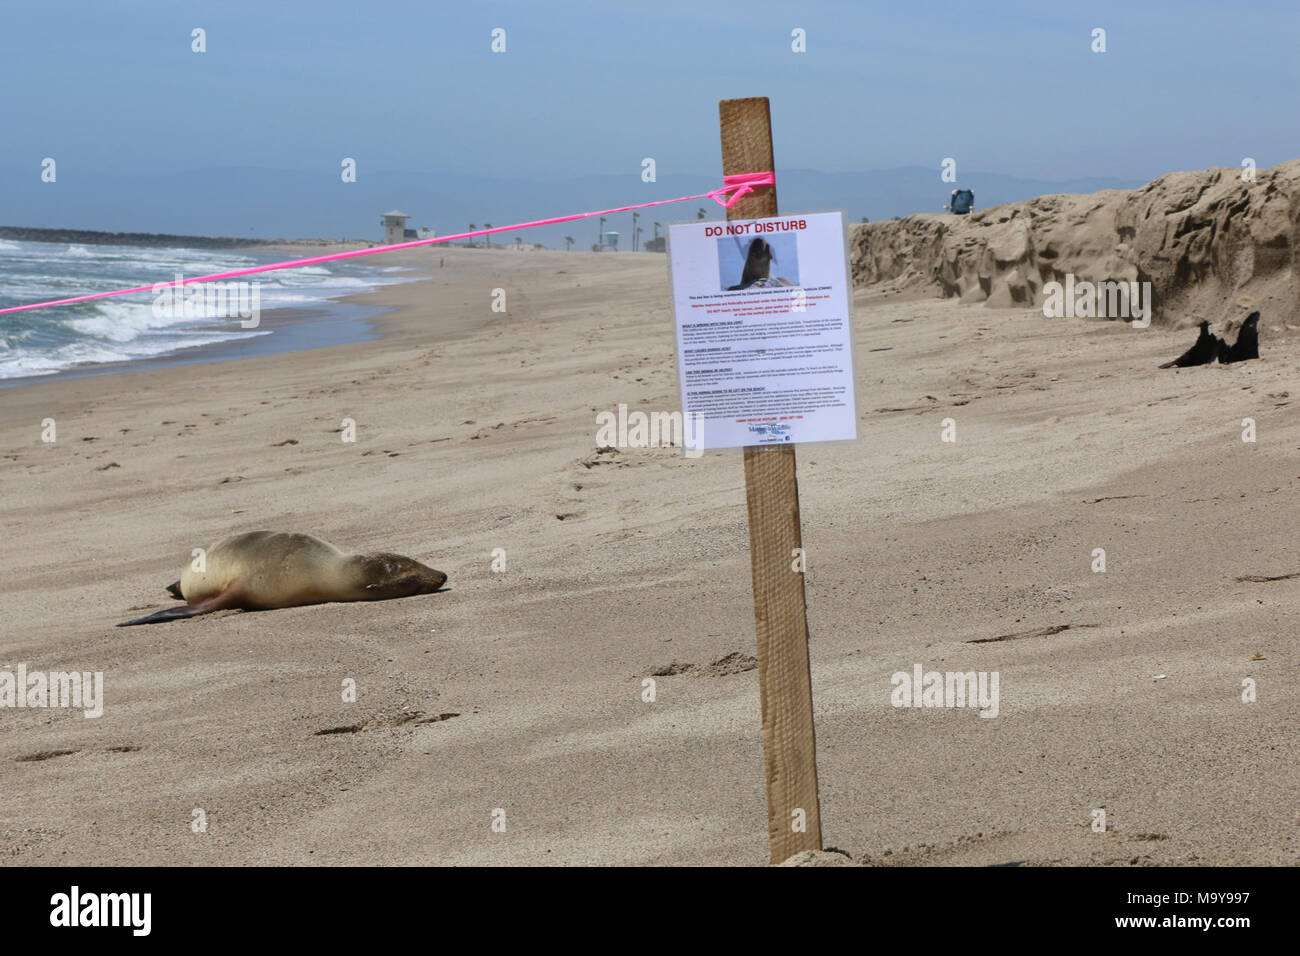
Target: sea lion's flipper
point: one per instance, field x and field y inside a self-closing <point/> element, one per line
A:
<point x="166" y="614"/>
<point x="217" y="603"/>
<point x="174" y="590"/>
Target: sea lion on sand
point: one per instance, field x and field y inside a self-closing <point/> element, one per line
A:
<point x="1203" y="351"/>
<point x="262" y="570"/>
<point x="1247" y="344"/>
<point x="758" y="266"/>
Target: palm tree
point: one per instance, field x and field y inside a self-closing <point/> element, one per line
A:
<point x="568" y="243"/>
<point x="700" y="214"/>
<point x="635" y="230"/>
<point x="519" y="244"/>
<point x="658" y="226"/>
<point x="488" y="238"/>
<point x="470" y="241"/>
<point x="600" y="236"/>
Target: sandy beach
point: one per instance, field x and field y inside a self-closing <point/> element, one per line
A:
<point x="522" y="690"/>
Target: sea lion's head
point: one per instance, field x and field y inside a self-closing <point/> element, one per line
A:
<point x="384" y="575"/>
<point x="758" y="263"/>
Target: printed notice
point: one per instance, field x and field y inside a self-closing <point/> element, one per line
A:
<point x="764" y="330"/>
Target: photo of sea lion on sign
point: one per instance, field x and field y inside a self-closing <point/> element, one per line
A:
<point x="749" y="264"/>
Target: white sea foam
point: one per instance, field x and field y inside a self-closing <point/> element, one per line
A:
<point x="17" y="363"/>
<point x="120" y="321"/>
<point x="46" y="341"/>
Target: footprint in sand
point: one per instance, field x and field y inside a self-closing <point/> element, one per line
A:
<point x="44" y="755"/>
<point x="733" y="663"/>
<point x="380" y="723"/>
<point x="1264" y="578"/>
<point x="348" y="729"/>
<point x="1037" y="632"/>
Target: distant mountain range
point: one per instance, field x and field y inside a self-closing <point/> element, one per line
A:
<point x="251" y="202"/>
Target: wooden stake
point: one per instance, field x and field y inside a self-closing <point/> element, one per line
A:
<point x="772" y="496"/>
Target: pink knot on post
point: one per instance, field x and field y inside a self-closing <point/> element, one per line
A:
<point x="742" y="183"/>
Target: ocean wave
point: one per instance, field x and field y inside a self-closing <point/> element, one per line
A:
<point x="20" y="363"/>
<point x="119" y="321"/>
<point x="47" y="341"/>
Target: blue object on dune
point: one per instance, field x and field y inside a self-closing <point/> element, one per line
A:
<point x="962" y="202"/>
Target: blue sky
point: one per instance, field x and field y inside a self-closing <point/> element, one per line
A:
<point x="592" y="87"/>
<point x="589" y="88"/>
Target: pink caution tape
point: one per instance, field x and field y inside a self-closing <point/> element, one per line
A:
<point x="738" y="185"/>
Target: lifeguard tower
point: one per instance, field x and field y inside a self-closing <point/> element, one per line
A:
<point x="394" y="224"/>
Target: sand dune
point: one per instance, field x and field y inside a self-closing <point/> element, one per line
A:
<point x="1212" y="246"/>
<point x="521" y="690"/>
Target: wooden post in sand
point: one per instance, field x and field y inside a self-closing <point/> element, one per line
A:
<point x="772" y="496"/>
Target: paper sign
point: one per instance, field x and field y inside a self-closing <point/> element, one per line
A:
<point x="764" y="330"/>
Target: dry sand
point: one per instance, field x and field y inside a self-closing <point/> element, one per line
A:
<point x="477" y="431"/>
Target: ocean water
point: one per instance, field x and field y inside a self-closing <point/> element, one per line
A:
<point x="126" y="328"/>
